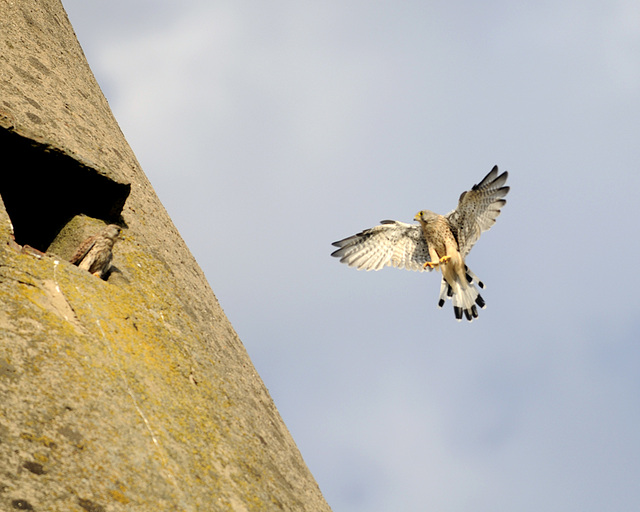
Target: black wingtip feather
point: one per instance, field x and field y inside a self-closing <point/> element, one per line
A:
<point x="491" y="177"/>
<point x="441" y="303"/>
<point x="480" y="301"/>
<point x="486" y="178"/>
<point x="458" y="312"/>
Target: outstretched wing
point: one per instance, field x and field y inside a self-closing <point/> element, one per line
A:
<point x="393" y="243"/>
<point x="478" y="209"/>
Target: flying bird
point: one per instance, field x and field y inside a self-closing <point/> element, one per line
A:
<point x="95" y="253"/>
<point x="440" y="242"/>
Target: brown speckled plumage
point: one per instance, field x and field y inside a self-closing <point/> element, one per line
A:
<point x="95" y="253"/>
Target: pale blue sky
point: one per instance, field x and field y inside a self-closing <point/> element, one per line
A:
<point x="322" y="118"/>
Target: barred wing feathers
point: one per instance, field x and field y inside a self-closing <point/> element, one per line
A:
<point x="392" y="243"/>
<point x="478" y="209"/>
<point x="83" y="250"/>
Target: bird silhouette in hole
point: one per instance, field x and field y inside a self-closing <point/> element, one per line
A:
<point x="96" y="252"/>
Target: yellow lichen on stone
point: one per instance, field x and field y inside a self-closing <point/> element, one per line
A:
<point x="131" y="393"/>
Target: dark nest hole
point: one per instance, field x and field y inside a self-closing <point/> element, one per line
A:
<point x="43" y="188"/>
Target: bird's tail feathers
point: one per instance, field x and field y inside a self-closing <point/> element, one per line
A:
<point x="472" y="278"/>
<point x="464" y="296"/>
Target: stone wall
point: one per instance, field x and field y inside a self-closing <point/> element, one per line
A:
<point x="133" y="393"/>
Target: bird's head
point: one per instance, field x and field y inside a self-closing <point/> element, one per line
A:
<point x="112" y="231"/>
<point x="425" y="216"/>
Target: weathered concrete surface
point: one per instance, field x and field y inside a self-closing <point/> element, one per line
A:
<point x="131" y="394"/>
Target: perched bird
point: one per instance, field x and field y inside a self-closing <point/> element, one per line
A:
<point x="440" y="242"/>
<point x="94" y="254"/>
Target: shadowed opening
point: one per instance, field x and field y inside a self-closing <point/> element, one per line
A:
<point x="43" y="188"/>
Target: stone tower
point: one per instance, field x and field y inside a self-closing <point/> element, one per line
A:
<point x="130" y="393"/>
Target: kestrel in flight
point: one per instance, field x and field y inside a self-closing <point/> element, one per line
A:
<point x="95" y="253"/>
<point x="440" y="242"/>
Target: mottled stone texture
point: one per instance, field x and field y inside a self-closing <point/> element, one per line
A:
<point x="128" y="394"/>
